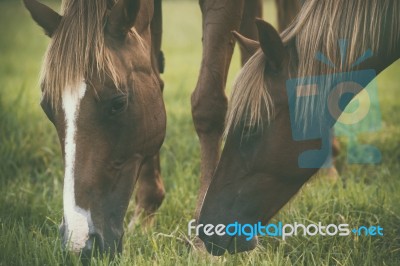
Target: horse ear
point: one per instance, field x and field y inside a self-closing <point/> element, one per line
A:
<point x="271" y="44"/>
<point x="122" y="17"/>
<point x="246" y="44"/>
<point x="44" y="16"/>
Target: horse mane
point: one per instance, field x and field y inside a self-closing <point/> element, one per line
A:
<point x="250" y="97"/>
<point x="317" y="28"/>
<point x="365" y="25"/>
<point x="78" y="48"/>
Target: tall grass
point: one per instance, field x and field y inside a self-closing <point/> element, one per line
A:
<point x="31" y="168"/>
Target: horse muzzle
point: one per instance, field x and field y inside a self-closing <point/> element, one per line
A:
<point x="217" y="245"/>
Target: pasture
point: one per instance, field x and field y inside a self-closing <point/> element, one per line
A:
<point x="31" y="167"/>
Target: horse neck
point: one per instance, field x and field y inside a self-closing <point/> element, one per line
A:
<point x="375" y="27"/>
<point x="378" y="62"/>
<point x="381" y="60"/>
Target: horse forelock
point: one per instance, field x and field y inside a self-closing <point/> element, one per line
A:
<point x="78" y="48"/>
<point x="250" y="99"/>
<point x="321" y="24"/>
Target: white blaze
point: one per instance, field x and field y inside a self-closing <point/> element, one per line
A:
<point x="77" y="221"/>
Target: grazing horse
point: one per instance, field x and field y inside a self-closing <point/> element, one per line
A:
<point x="209" y="102"/>
<point x="259" y="168"/>
<point x="102" y="91"/>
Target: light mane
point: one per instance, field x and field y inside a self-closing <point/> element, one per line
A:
<point x="250" y="98"/>
<point x="78" y="48"/>
<point x="317" y="28"/>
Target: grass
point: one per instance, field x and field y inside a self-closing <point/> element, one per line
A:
<point x="31" y="168"/>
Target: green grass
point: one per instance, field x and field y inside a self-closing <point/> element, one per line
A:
<point x="31" y="167"/>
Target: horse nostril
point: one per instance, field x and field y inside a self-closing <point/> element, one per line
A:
<point x="61" y="230"/>
<point x="86" y="254"/>
<point x="93" y="246"/>
<point x="87" y="251"/>
<point x="98" y="242"/>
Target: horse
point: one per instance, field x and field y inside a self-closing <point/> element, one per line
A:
<point x="101" y="89"/>
<point x="208" y="100"/>
<point x="260" y="168"/>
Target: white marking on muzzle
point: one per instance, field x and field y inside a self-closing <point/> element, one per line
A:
<point x="78" y="222"/>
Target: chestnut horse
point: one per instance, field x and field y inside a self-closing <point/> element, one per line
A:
<point x="259" y="168"/>
<point x="102" y="91"/>
<point x="209" y="102"/>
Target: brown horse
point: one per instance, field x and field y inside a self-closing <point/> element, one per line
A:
<point x="259" y="168"/>
<point x="102" y="91"/>
<point x="209" y="102"/>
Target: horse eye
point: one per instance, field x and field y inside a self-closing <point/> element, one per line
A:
<point x="118" y="105"/>
<point x="46" y="107"/>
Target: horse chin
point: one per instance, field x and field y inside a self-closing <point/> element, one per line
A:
<point x="218" y="245"/>
<point x="240" y="244"/>
<point x="96" y="244"/>
<point x="114" y="246"/>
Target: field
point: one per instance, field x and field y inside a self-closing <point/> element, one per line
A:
<point x="31" y="171"/>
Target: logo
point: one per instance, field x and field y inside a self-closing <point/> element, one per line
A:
<point x="352" y="116"/>
<point x="281" y="230"/>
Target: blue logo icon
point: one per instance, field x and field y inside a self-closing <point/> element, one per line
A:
<point x="351" y="116"/>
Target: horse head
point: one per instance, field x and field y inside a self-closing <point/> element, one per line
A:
<point x="104" y="97"/>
